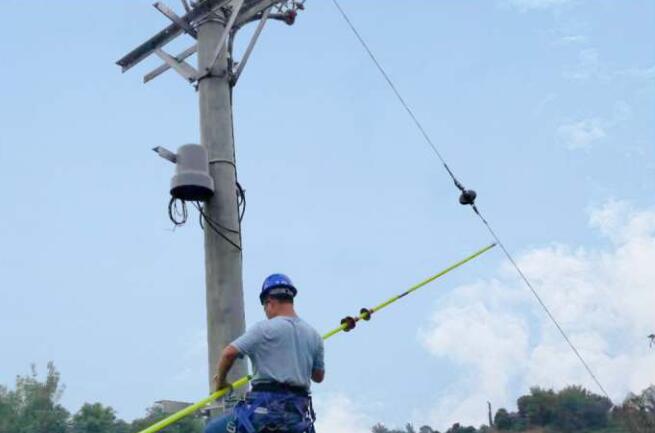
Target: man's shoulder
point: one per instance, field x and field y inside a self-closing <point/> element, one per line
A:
<point x="294" y="321"/>
<point x="309" y="329"/>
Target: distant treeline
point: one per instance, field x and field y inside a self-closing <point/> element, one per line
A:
<point x="33" y="407"/>
<point x="571" y="410"/>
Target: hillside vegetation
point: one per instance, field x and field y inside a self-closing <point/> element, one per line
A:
<point x="33" y="407"/>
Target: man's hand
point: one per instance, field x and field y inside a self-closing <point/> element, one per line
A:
<point x="221" y="383"/>
<point x="318" y="376"/>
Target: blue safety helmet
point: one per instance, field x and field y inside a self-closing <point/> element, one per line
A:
<point x="277" y="284"/>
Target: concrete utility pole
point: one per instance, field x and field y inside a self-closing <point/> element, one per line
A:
<point x="225" y="309"/>
<point x="214" y="23"/>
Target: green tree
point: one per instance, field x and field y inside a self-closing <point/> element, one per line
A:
<point x="637" y="413"/>
<point x="8" y="411"/>
<point x="503" y="420"/>
<point x="457" y="428"/>
<point x="379" y="428"/>
<point x="96" y="418"/>
<point x="579" y="409"/>
<point x="33" y="407"/>
<point x="539" y="407"/>
<point x="189" y="424"/>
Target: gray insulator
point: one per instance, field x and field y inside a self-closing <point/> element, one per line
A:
<point x="192" y="181"/>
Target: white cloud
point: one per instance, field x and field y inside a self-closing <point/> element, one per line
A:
<point x="339" y="414"/>
<point x="526" y="5"/>
<point x="545" y="102"/>
<point x="588" y="66"/>
<point x="622" y="112"/>
<point x="572" y="39"/>
<point x="604" y="298"/>
<point x="647" y="73"/>
<point x="482" y="341"/>
<point x="581" y="134"/>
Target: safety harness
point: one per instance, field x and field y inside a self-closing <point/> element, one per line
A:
<point x="274" y="407"/>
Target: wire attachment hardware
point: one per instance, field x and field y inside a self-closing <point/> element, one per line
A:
<point x="467" y="197"/>
<point x="350" y="323"/>
<point x="365" y="314"/>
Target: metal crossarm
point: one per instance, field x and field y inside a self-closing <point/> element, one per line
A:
<point x="168" y="13"/>
<point x="164" y="67"/>
<point x="168" y="34"/>
<point x="181" y="67"/>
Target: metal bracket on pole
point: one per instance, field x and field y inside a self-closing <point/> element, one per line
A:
<point x="187" y="8"/>
<point x="181" y="67"/>
<point x="228" y="28"/>
<point x="251" y="10"/>
<point x="251" y="45"/>
<point x="165" y="153"/>
<point x="168" y="13"/>
<point x="163" y="68"/>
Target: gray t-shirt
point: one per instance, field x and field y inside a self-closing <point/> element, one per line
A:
<point x="282" y="349"/>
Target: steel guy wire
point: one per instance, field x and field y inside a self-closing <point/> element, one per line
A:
<point x="429" y="141"/>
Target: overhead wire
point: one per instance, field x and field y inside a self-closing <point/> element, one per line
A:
<point x="459" y="185"/>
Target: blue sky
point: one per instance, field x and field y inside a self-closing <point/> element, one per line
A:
<point x="545" y="107"/>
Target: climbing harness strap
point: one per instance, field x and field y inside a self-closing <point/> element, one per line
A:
<point x="264" y="411"/>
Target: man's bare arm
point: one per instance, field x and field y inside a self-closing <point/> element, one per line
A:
<point x="225" y="363"/>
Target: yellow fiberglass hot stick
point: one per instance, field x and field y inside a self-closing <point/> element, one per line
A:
<point x="346" y="325"/>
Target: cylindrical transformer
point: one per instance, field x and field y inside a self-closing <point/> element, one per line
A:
<point x="192" y="181"/>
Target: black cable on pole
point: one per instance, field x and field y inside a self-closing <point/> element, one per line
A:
<point x="213" y="221"/>
<point x="241" y="201"/>
<point x="468" y="196"/>
<point x="216" y="227"/>
<point x="177" y="215"/>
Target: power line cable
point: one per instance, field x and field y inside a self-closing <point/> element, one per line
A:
<point x="177" y="211"/>
<point x="241" y="201"/>
<point x="468" y="196"/>
<point x="217" y="227"/>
